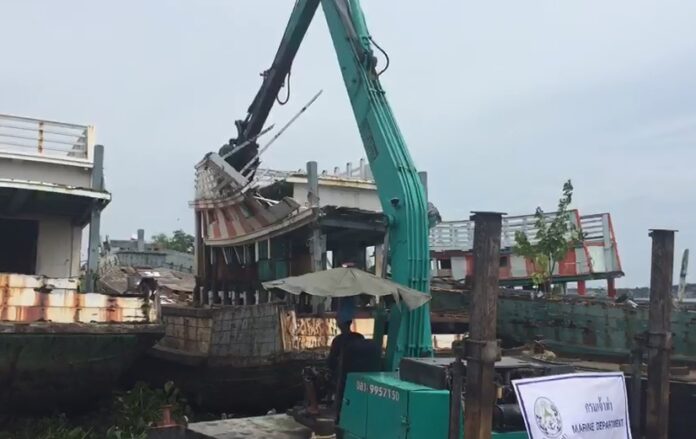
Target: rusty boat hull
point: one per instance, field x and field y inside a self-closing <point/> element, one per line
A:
<point x="61" y="349"/>
<point x="46" y="367"/>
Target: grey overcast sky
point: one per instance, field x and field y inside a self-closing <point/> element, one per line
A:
<point x="500" y="101"/>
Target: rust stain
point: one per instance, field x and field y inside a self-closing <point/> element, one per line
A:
<point x="28" y="299"/>
<point x="42" y="298"/>
<point x="77" y="305"/>
<point x="302" y="333"/>
<point x="5" y="296"/>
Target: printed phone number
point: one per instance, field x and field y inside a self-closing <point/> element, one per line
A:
<point x="379" y="391"/>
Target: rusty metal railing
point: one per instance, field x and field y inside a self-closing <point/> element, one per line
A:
<point x="29" y="138"/>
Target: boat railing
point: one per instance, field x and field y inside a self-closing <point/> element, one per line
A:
<point x="459" y="235"/>
<point x="361" y="171"/>
<point x="27" y="138"/>
<point x="596" y="227"/>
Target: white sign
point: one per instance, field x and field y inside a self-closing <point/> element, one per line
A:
<point x="577" y="406"/>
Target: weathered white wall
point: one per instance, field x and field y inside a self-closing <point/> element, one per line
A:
<point x="58" y="252"/>
<point x="45" y="172"/>
<point x="357" y="197"/>
<point x="58" y="246"/>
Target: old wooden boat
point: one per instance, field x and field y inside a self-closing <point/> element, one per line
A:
<point x="63" y="349"/>
<point x="238" y="347"/>
<point x="577" y="326"/>
<point x="60" y="348"/>
<point x="574" y="323"/>
<point x="238" y="359"/>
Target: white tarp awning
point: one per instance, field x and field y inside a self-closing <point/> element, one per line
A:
<point x="348" y="281"/>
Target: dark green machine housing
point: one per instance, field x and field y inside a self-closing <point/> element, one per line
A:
<point x="380" y="405"/>
<point x="414" y="402"/>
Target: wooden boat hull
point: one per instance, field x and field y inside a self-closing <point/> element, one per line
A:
<point x="244" y="359"/>
<point x="589" y="328"/>
<point x="225" y="386"/>
<point x="576" y="326"/>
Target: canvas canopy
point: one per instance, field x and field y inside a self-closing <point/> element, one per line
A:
<point x="348" y="281"/>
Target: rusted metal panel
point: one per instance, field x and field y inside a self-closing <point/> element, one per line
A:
<point x="313" y="332"/>
<point x="28" y="299"/>
<point x="300" y="333"/>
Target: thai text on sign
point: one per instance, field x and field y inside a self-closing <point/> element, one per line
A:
<point x="574" y="406"/>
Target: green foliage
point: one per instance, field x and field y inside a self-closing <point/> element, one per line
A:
<point x="131" y="415"/>
<point x="179" y="241"/>
<point x="55" y="427"/>
<point x="555" y="235"/>
<point x="160" y="239"/>
<point x="141" y="407"/>
<point x="116" y="433"/>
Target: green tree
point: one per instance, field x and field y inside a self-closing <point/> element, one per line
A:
<point x="555" y="235"/>
<point x="161" y="239"/>
<point x="179" y="241"/>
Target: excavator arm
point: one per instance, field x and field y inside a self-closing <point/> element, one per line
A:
<point x="273" y="80"/>
<point x="400" y="191"/>
<point x="399" y="187"/>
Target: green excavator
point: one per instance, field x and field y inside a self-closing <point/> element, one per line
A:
<point x="393" y="402"/>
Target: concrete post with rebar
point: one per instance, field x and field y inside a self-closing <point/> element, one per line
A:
<point x="316" y="243"/>
<point x="659" y="338"/>
<point x="95" y="221"/>
<point x="482" y="347"/>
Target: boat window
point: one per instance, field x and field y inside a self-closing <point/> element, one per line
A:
<point x="263" y="250"/>
<point x="19" y="240"/>
<point x="445" y="264"/>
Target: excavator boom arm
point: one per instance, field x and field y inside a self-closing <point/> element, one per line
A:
<point x="399" y="187"/>
<point x="400" y="190"/>
<point x="274" y="77"/>
<point x="273" y="80"/>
